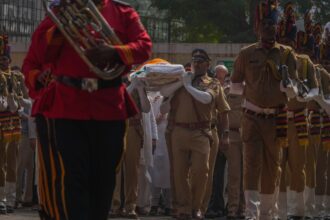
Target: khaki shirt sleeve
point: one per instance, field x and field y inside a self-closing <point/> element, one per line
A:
<point x="325" y="79"/>
<point x="239" y="69"/>
<point x="292" y="66"/>
<point x="221" y="103"/>
<point x="213" y="88"/>
<point x="311" y="76"/>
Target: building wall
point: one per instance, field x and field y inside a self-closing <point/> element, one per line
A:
<point x="175" y="53"/>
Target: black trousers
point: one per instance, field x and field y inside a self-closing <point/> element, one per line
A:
<point x="217" y="202"/>
<point x="78" y="161"/>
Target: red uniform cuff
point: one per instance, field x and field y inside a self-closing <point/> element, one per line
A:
<point x="125" y="54"/>
<point x="32" y="78"/>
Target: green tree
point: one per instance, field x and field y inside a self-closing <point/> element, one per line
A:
<point x="226" y="20"/>
<point x="208" y="20"/>
<point x="322" y="13"/>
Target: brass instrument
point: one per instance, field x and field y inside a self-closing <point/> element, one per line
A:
<point x="79" y="21"/>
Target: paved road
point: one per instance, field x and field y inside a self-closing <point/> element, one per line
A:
<point x="32" y="215"/>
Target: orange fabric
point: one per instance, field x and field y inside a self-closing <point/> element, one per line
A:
<point x="63" y="186"/>
<point x="54" y="176"/>
<point x="125" y="53"/>
<point x="32" y="77"/>
<point x="153" y="61"/>
<point x="45" y="190"/>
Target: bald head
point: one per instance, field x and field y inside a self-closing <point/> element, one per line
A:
<point x="221" y="72"/>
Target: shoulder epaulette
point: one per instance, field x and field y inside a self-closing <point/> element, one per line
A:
<point x="249" y="46"/>
<point x="303" y="56"/>
<point x="121" y="3"/>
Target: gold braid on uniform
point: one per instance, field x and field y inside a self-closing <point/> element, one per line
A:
<point x="5" y="115"/>
<point x="315" y="125"/>
<point x="300" y="122"/>
<point x="325" y="132"/>
<point x="282" y="128"/>
<point x="12" y="127"/>
<point x="281" y="118"/>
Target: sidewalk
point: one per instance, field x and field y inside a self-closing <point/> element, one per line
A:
<point x="26" y="214"/>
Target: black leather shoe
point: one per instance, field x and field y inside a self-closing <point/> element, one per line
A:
<point x="10" y="209"/>
<point x="294" y="217"/>
<point x="167" y="212"/>
<point x="182" y="216"/>
<point x="3" y="210"/>
<point x="153" y="211"/>
<point x="210" y="214"/>
<point x="220" y="214"/>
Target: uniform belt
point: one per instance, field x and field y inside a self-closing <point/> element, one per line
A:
<point x="89" y="84"/>
<point x="259" y="110"/>
<point x="259" y="115"/>
<point x="194" y="126"/>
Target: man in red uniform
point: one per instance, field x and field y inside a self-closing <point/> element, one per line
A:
<point x="85" y="128"/>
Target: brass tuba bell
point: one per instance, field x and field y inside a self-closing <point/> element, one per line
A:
<point x="79" y="20"/>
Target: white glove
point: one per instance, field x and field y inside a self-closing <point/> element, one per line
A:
<point x="291" y="91"/>
<point x="187" y="78"/>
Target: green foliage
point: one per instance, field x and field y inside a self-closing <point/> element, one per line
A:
<point x="207" y="20"/>
<point x="323" y="11"/>
<point x="219" y="21"/>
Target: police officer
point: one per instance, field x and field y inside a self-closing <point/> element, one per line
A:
<point x="134" y="143"/>
<point x="325" y="61"/>
<point x="262" y="121"/>
<point x="305" y="39"/>
<point x="190" y="111"/>
<point x="13" y="95"/>
<point x="220" y="132"/>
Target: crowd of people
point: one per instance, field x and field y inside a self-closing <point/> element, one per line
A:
<point x="249" y="144"/>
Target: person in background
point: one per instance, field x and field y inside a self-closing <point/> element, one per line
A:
<point x="86" y="121"/>
<point x="217" y="204"/>
<point x="264" y="123"/>
<point x="161" y="169"/>
<point x="26" y="153"/>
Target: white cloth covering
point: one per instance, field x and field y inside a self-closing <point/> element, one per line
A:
<point x="161" y="169"/>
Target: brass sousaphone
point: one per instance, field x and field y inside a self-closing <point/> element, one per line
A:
<point x="79" y="21"/>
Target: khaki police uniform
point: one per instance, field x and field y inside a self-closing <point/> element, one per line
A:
<point x="134" y="143"/>
<point x="191" y="139"/>
<point x="322" y="155"/>
<point x="234" y="154"/>
<point x="168" y="134"/>
<point x="294" y="154"/>
<point x="261" y="153"/>
<point x="220" y="107"/>
<point x="325" y="61"/>
<point x="315" y="154"/>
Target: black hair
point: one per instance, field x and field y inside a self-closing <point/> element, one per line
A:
<point x="202" y="51"/>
